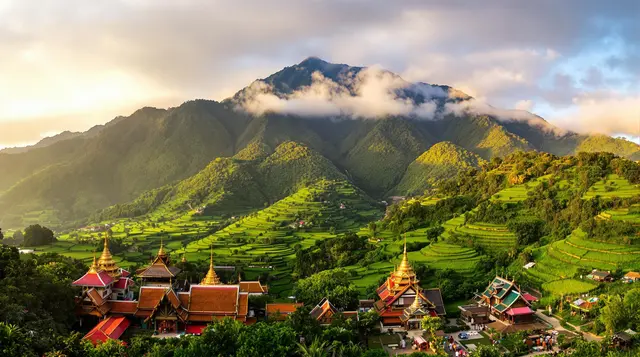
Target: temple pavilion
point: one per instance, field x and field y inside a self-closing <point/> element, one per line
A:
<point x="402" y="303"/>
<point x="160" y="305"/>
<point x="506" y="302"/>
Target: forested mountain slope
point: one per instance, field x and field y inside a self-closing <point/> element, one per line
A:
<point x="71" y="179"/>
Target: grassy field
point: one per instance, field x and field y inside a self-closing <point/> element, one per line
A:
<point x="443" y="255"/>
<point x="612" y="186"/>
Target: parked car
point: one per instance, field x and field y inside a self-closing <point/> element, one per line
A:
<point x="463" y="336"/>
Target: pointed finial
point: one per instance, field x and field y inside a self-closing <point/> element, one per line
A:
<point x="94" y="265"/>
<point x="405" y="243"/>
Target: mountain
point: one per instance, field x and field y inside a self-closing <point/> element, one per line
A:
<point x="228" y="184"/>
<point x="442" y="161"/>
<point x="139" y="159"/>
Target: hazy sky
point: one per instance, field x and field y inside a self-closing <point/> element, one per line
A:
<point x="74" y="64"/>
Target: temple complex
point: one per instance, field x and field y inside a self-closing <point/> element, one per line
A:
<point x="162" y="306"/>
<point x="402" y="303"/>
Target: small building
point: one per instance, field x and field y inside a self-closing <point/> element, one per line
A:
<point x="506" y="302"/>
<point x="280" y="311"/>
<point x="584" y="305"/>
<point x="529" y="297"/>
<point x="601" y="276"/>
<point x="325" y="312"/>
<point x="529" y="265"/>
<point x="623" y="339"/>
<point x="366" y="305"/>
<point x="475" y="314"/>
<point x="631" y="277"/>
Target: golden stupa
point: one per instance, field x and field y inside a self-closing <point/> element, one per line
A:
<point x="211" y="278"/>
<point x="106" y="262"/>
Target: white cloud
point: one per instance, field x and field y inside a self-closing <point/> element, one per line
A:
<point x="525" y="104"/>
<point x="609" y="115"/>
<point x="376" y="95"/>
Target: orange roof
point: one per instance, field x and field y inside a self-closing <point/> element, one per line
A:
<point x="243" y="304"/>
<point x="184" y="299"/>
<point x="632" y="275"/>
<point x="158" y="269"/>
<point x="283" y="309"/>
<point x="150" y="296"/>
<point x="123" y="307"/>
<point x="214" y="298"/>
<point x="252" y="287"/>
<point x="95" y="297"/>
<point x="109" y="328"/>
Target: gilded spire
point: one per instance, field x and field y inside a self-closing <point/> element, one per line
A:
<point x="211" y="278"/>
<point x="405" y="267"/>
<point x="94" y="266"/>
<point x="106" y="262"/>
<point x="417" y="302"/>
<point x="184" y="258"/>
<point x="161" y="251"/>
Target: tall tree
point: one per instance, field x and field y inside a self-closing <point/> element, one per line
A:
<point x="36" y="235"/>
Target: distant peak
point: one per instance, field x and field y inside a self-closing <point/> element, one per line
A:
<point x="313" y="60"/>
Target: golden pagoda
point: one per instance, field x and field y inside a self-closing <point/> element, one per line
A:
<point x="403" y="274"/>
<point x="211" y="278"/>
<point x="106" y="262"/>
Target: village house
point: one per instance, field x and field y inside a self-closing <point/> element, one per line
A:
<point x="631" y="277"/>
<point x="601" y="276"/>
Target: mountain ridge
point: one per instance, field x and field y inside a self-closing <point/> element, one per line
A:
<point x="152" y="147"/>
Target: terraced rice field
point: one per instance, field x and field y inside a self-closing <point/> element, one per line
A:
<point x="443" y="255"/>
<point x="631" y="215"/>
<point x="488" y="235"/>
<point x="517" y="193"/>
<point x="568" y="258"/>
<point x="618" y="187"/>
<point x="260" y="241"/>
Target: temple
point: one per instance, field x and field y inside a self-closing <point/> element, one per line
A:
<point x="402" y="303"/>
<point x="506" y="302"/>
<point x="162" y="304"/>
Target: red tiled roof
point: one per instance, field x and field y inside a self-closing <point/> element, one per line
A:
<point x="516" y="311"/>
<point x="391" y="320"/>
<point x="100" y="279"/>
<point x="150" y="297"/>
<point x="124" y="273"/>
<point x="350" y="314"/>
<point x="122" y="283"/>
<point x="214" y="299"/>
<point x="123" y="307"/>
<point x="529" y="297"/>
<point x="252" y="287"/>
<point x="109" y="328"/>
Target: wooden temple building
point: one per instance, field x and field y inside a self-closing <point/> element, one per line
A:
<point x="162" y="305"/>
<point x="506" y="302"/>
<point x="325" y="312"/>
<point x="402" y="303"/>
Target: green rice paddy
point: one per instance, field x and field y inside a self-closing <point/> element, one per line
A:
<point x="612" y="186"/>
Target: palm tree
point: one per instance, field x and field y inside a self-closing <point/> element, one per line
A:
<point x="315" y="349"/>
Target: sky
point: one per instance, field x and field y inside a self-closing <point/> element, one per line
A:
<point x="69" y="65"/>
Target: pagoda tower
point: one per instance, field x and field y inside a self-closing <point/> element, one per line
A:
<point x="211" y="278"/>
<point x="404" y="275"/>
<point x="160" y="272"/>
<point x="106" y="262"/>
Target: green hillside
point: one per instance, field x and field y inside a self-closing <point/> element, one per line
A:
<point x="443" y="160"/>
<point x="67" y="180"/>
<point x="231" y="185"/>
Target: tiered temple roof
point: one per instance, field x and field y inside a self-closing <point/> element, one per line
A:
<point x="401" y="290"/>
<point x="160" y="267"/>
<point x="504" y="297"/>
<point x="107" y="263"/>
